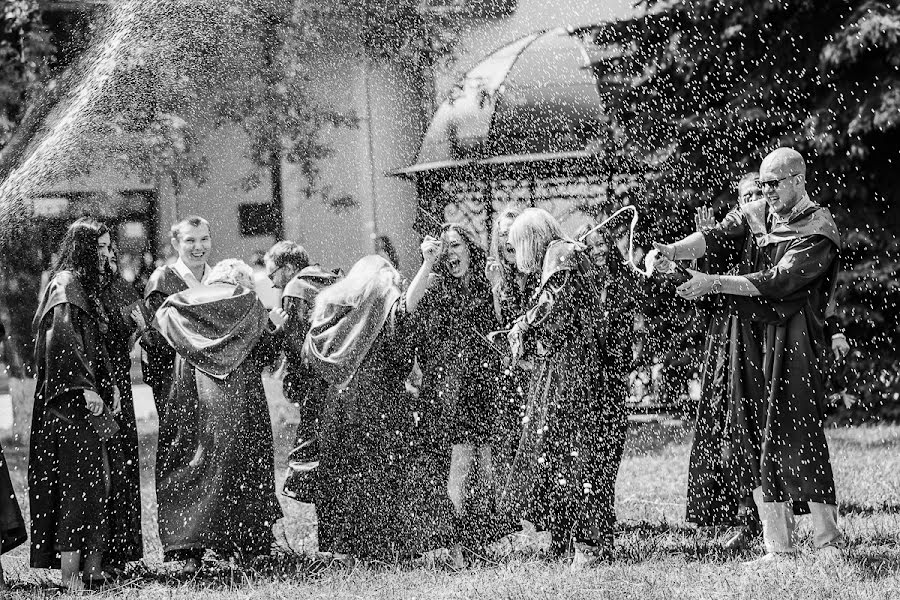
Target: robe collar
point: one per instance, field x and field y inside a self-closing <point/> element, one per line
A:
<point x="807" y="218"/>
<point x="184" y="271"/>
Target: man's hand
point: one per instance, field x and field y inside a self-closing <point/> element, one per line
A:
<point x="697" y="286"/>
<point x="431" y="249"/>
<point x="93" y="401"/>
<point x="137" y="315"/>
<point x="704" y="219"/>
<point x="840" y="346"/>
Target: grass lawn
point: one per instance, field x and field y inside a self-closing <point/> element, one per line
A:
<point x="658" y="555"/>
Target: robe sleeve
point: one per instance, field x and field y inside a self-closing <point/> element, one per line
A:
<point x="67" y="364"/>
<point x="549" y="302"/>
<point x="152" y="339"/>
<point x="805" y="261"/>
<point x="296" y="326"/>
<point x="723" y="241"/>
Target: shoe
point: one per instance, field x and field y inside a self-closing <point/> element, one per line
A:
<point x="95" y="583"/>
<point x="739" y="541"/>
<point x="586" y="556"/>
<point x="457" y="559"/>
<point x="191" y="566"/>
<point x="770" y="559"/>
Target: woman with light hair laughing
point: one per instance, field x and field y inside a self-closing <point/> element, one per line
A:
<point x="564" y="473"/>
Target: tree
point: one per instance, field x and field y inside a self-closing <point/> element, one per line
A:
<point x="714" y="85"/>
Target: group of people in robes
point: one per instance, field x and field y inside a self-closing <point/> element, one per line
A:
<point x="760" y="455"/>
<point x="437" y="414"/>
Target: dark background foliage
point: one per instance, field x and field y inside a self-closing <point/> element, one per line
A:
<point x="704" y="89"/>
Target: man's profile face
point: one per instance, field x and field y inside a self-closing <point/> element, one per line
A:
<point x="748" y="191"/>
<point x="193" y="245"/>
<point x="280" y="276"/>
<point x="781" y="188"/>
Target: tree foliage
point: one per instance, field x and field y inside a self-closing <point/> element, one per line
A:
<point x="705" y="88"/>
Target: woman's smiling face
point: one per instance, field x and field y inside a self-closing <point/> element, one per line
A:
<point x="457" y="254"/>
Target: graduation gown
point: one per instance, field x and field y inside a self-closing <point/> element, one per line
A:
<point x="381" y="489"/>
<point x="215" y="482"/>
<point x="67" y="468"/>
<point x="12" y="526"/>
<point x="159" y="357"/>
<point x="796" y="269"/>
<point x="302" y="385"/>
<point x="125" y="543"/>
<point x="563" y="477"/>
<point x="724" y="461"/>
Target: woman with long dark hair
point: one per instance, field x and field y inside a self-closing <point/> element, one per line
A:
<point x="459" y="376"/>
<point x="68" y="467"/>
<point x="125" y="543"/>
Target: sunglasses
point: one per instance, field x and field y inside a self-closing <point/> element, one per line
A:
<point x="773" y="183"/>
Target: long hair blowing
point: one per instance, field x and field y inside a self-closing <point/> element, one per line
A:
<point x="78" y="252"/>
<point x="370" y="274"/>
<point x="530" y="234"/>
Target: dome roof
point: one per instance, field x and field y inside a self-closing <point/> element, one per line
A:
<point x="533" y="99"/>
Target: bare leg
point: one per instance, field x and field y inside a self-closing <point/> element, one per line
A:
<point x="486" y="466"/>
<point x="461" y="458"/>
<point x="70" y="570"/>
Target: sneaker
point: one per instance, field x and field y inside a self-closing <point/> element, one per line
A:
<point x="586" y="556"/>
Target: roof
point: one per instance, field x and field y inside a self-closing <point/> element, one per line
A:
<point x="534" y="99"/>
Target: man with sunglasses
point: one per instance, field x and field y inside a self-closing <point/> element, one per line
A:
<point x="785" y="284"/>
<point x="288" y="267"/>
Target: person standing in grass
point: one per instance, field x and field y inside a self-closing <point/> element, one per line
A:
<point x="68" y="466"/>
<point x="381" y="487"/>
<point x="565" y="469"/>
<point x="215" y="482"/>
<point x="288" y="267"/>
<point x="12" y="526"/>
<point x="459" y="378"/>
<point x="192" y="242"/>
<point x="788" y="290"/>
<point x="126" y="321"/>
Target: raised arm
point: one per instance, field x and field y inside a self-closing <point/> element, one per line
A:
<point x="431" y="248"/>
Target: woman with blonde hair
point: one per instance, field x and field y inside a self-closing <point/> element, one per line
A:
<point x="380" y="492"/>
<point x="215" y="482"/>
<point x="564" y="473"/>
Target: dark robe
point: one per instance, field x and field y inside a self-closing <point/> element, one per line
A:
<point x="460" y="379"/>
<point x="159" y="357"/>
<point x="215" y="483"/>
<point x="302" y="385"/>
<point x="125" y="543"/>
<point x="724" y="460"/>
<point x="12" y="526"/>
<point x="67" y="468"/>
<point x="563" y="478"/>
<point x="381" y="487"/>
<point x="784" y="433"/>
